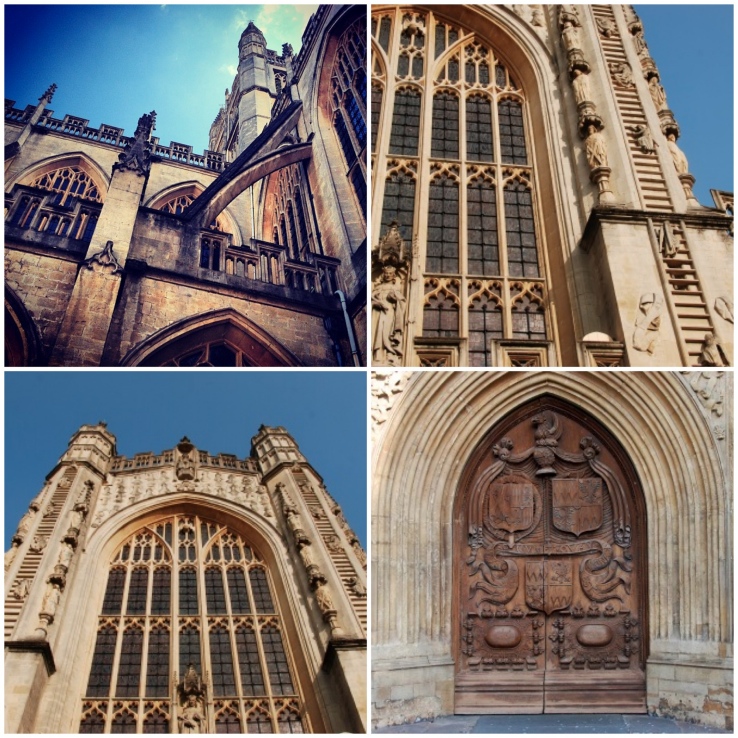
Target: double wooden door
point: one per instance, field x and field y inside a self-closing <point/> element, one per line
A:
<point x="550" y="570"/>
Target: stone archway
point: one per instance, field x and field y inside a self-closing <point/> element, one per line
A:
<point x="550" y="569"/>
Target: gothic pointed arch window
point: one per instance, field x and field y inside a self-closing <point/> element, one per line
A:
<point x="454" y="169"/>
<point x="348" y="102"/>
<point x="183" y="593"/>
<point x="63" y="200"/>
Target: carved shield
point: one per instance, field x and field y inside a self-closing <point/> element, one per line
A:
<point x="577" y="505"/>
<point x="548" y="585"/>
<point x="510" y="506"/>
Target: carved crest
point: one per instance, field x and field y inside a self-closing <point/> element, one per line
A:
<point x="510" y="506"/>
<point x="577" y="504"/>
<point x="548" y="584"/>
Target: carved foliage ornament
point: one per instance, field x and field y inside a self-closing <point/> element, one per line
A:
<point x="104" y="261"/>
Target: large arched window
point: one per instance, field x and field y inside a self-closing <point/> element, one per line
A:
<point x="185" y="592"/>
<point x="348" y="101"/>
<point x="454" y="170"/>
<point x="64" y="201"/>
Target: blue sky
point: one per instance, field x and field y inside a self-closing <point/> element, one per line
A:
<point x="113" y="63"/>
<point x="220" y="412"/>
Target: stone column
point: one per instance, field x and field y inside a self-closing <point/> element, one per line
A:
<point x="86" y="322"/>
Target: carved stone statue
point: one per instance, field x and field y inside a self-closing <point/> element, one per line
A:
<point x="51" y="601"/>
<point x="644" y="139"/>
<point x="580" y="84"/>
<point x="21" y="589"/>
<point x="658" y="94"/>
<point x="668" y="245"/>
<point x="360" y="553"/>
<point x="680" y="161"/>
<point x="38" y="544"/>
<point x="724" y="308"/>
<point x="595" y="148"/>
<point x="65" y="555"/>
<point x="25" y="524"/>
<point x="622" y="74"/>
<point x="712" y="353"/>
<point x="192" y="720"/>
<point x="186" y="466"/>
<point x="570" y="37"/>
<point x="648" y="323"/>
<point x="356" y="587"/>
<point x="388" y="316"/>
<point x="324" y="599"/>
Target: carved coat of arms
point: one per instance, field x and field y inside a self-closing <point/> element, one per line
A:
<point x="577" y="504"/>
<point x="548" y="584"/>
<point x="510" y="506"/>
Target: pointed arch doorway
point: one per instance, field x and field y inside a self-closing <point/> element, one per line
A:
<point x="550" y="577"/>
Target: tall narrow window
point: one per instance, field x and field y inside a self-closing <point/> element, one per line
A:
<point x="443" y="226"/>
<point x="405" y="123"/>
<point x="445" y="132"/>
<point x="228" y="629"/>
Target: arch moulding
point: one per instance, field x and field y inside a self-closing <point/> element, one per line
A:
<point x="420" y="452"/>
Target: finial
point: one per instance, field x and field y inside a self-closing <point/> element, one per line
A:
<point x="48" y="94"/>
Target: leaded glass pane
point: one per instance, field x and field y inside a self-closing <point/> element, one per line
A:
<point x="129" y="667"/>
<point x="405" y="123"/>
<point x="188" y="604"/>
<point x="377" y="96"/>
<point x="238" y="592"/>
<point x="443" y="227"/>
<point x="157" y="664"/>
<point x="214" y="592"/>
<point x="260" y="589"/>
<point x="221" y="661"/>
<point x="399" y="204"/>
<point x="445" y="130"/>
<point x="252" y="678"/>
<point x="102" y="663"/>
<point x="479" y="145"/>
<point x="276" y="659"/>
<point x="512" y="132"/>
<point x="485" y="324"/>
<point x="484" y="256"/>
<point x="522" y="253"/>
<point x="137" y="591"/>
<point x="114" y="592"/>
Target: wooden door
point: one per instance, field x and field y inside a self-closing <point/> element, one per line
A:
<point x="550" y="570"/>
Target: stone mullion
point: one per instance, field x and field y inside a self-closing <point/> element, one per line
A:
<point x="463" y="234"/>
<point x="203" y="616"/>
<point x="232" y="636"/>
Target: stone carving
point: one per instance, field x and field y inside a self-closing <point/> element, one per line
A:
<point x="568" y="14"/>
<point x="622" y="74"/>
<point x="317" y="512"/>
<point x="680" y="161"/>
<point x="137" y="154"/>
<point x="724" y="308"/>
<point x="10" y="555"/>
<point x="644" y="139"/>
<point x="658" y="94"/>
<point x="333" y="543"/>
<point x="532" y="14"/>
<point x="50" y="603"/>
<point x="596" y="148"/>
<point x="38" y="544"/>
<point x="104" y="260"/>
<point x="82" y="503"/>
<point x="668" y="245"/>
<point x="360" y="553"/>
<point x="20" y="589"/>
<point x="708" y="387"/>
<point x="192" y="720"/>
<point x="580" y="84"/>
<point x="648" y="323"/>
<point x="386" y="387"/>
<point x="287" y="50"/>
<point x="23" y="526"/>
<point x="356" y="587"/>
<point x="390" y="265"/>
<point x="712" y="353"/>
<point x="606" y="27"/>
<point x="324" y="599"/>
<point x="185" y="466"/>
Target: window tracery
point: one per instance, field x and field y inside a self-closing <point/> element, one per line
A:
<point x="70" y="209"/>
<point x="477" y="224"/>
<point x="224" y="621"/>
<point x="348" y="100"/>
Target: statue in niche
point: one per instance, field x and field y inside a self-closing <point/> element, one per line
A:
<point x="186" y="467"/>
<point x="21" y="589"/>
<point x="712" y="352"/>
<point x="622" y="74"/>
<point x="680" y="161"/>
<point x="192" y="720"/>
<point x="65" y="556"/>
<point x="724" y="308"/>
<point x="38" y="544"/>
<point x="648" y="323"/>
<point x="580" y="83"/>
<point x="606" y="27"/>
<point x="570" y="36"/>
<point x="324" y="599"/>
<point x="658" y="94"/>
<point x="388" y="316"/>
<point x="568" y="14"/>
<point x="644" y="139"/>
<point x="537" y="18"/>
<point x="51" y="601"/>
<point x="595" y="148"/>
<point x="640" y="43"/>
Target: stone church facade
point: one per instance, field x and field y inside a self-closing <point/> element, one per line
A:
<point x="184" y="592"/>
<point x="531" y="205"/>
<point x="552" y="542"/>
<point x="122" y="251"/>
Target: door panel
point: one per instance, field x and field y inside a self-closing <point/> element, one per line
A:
<point x="550" y="573"/>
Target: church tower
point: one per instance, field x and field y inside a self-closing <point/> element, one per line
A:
<point x="185" y="592"/>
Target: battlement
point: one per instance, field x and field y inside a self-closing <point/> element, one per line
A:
<point x="113" y="136"/>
